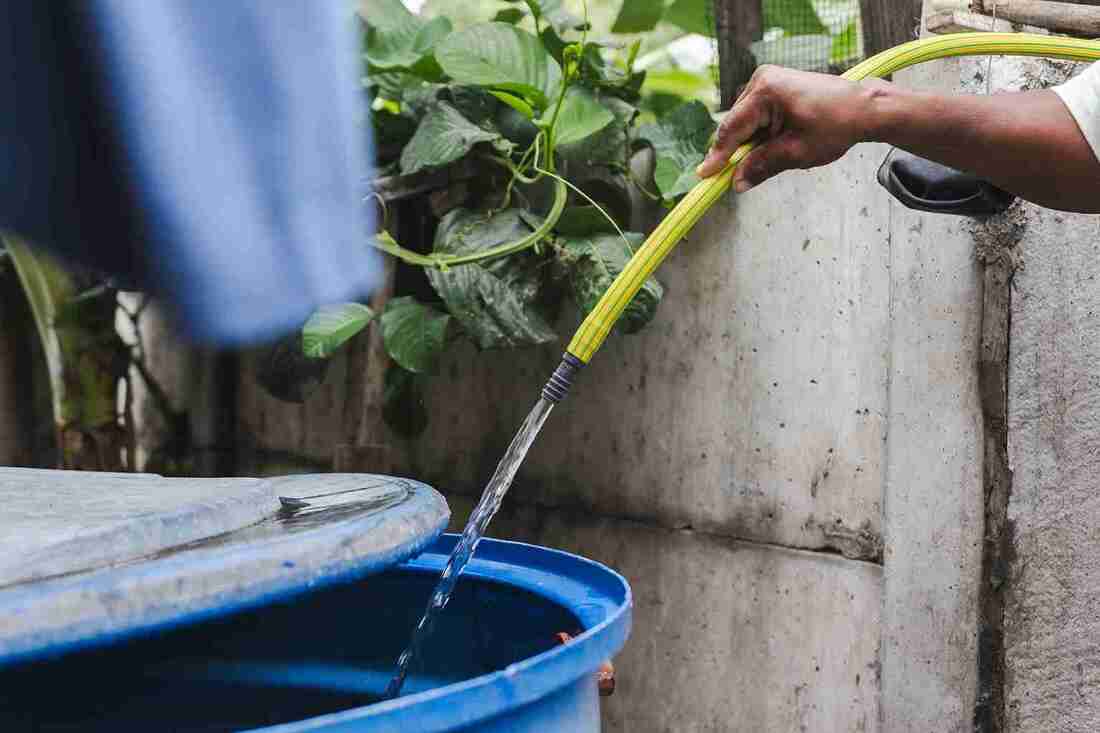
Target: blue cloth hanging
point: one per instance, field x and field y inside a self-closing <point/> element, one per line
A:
<point x="212" y="152"/>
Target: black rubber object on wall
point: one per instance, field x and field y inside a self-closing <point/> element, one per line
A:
<point x="927" y="186"/>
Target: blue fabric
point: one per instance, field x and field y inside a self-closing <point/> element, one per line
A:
<point x="210" y="151"/>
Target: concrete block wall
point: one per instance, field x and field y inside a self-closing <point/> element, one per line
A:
<point x="1052" y="614"/>
<point x="754" y="406"/>
<point x="728" y="635"/>
<point x="1039" y="590"/>
<point x="787" y="465"/>
<point x="958" y="421"/>
<point x="1051" y="568"/>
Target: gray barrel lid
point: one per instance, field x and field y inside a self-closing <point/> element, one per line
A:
<point x="87" y="558"/>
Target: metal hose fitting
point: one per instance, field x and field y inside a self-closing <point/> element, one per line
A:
<point x="562" y="378"/>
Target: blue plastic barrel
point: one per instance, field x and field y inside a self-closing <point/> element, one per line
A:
<point x="318" y="661"/>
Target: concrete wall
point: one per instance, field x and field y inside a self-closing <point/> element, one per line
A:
<point x="728" y="635"/>
<point x="1052" y="619"/>
<point x="754" y="406"/>
<point x="933" y="490"/>
<point x="787" y="464"/>
<point x="1052" y="563"/>
<point x="1039" y="591"/>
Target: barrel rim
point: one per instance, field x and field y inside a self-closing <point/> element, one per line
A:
<point x="229" y="579"/>
<point x="578" y="584"/>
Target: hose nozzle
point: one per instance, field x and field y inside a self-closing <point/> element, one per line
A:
<point x="562" y="378"/>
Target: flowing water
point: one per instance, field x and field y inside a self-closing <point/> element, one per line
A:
<point x="486" y="507"/>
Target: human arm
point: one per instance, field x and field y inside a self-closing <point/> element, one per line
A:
<point x="1025" y="142"/>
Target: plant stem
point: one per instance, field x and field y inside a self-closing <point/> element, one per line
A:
<point x="85" y="357"/>
<point x="387" y="244"/>
<point x="517" y="173"/>
<point x="641" y="186"/>
<point x="552" y="216"/>
<point x="549" y="129"/>
<point x="592" y="201"/>
<point x="517" y="169"/>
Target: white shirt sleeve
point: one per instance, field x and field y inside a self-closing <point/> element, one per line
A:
<point x="1081" y="95"/>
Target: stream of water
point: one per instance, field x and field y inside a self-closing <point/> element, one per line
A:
<point x="483" y="513"/>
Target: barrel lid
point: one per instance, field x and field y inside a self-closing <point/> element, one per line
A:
<point x="87" y="558"/>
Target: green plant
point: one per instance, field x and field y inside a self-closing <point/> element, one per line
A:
<point x="91" y="367"/>
<point x="74" y="314"/>
<point x="548" y="117"/>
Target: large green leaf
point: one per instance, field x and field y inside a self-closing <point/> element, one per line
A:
<point x="795" y="17"/>
<point x="638" y="16"/>
<point x="475" y="104"/>
<point x="610" y="146"/>
<point x="680" y="140"/>
<point x="417" y="100"/>
<point x="395" y="85"/>
<point x="553" y="43"/>
<point x="398" y="39"/>
<point x="394" y="128"/>
<point x="498" y="302"/>
<point x="580" y="116"/>
<point x="501" y="56"/>
<point x="593" y="263"/>
<point x="442" y="137"/>
<point x="694" y="16"/>
<point x="515" y="103"/>
<point x="609" y="78"/>
<point x="414" y="334"/>
<point x="330" y="327"/>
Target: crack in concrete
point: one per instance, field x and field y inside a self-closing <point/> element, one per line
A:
<point x="996" y="242"/>
<point x="857" y="545"/>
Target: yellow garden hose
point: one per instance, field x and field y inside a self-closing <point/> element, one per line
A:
<point x="595" y="328"/>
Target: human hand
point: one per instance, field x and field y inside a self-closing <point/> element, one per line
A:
<point x="799" y="119"/>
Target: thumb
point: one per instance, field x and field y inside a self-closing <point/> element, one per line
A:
<point x="768" y="159"/>
<point x="739" y="124"/>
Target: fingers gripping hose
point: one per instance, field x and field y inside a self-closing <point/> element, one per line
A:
<point x="595" y="328"/>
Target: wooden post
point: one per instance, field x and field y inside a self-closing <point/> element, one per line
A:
<point x="1061" y="17"/>
<point x="886" y="23"/>
<point x="15" y="358"/>
<point x="737" y="23"/>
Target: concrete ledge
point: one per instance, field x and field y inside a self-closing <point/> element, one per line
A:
<point x="728" y="636"/>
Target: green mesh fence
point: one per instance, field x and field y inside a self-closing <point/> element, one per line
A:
<point x="814" y="35"/>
